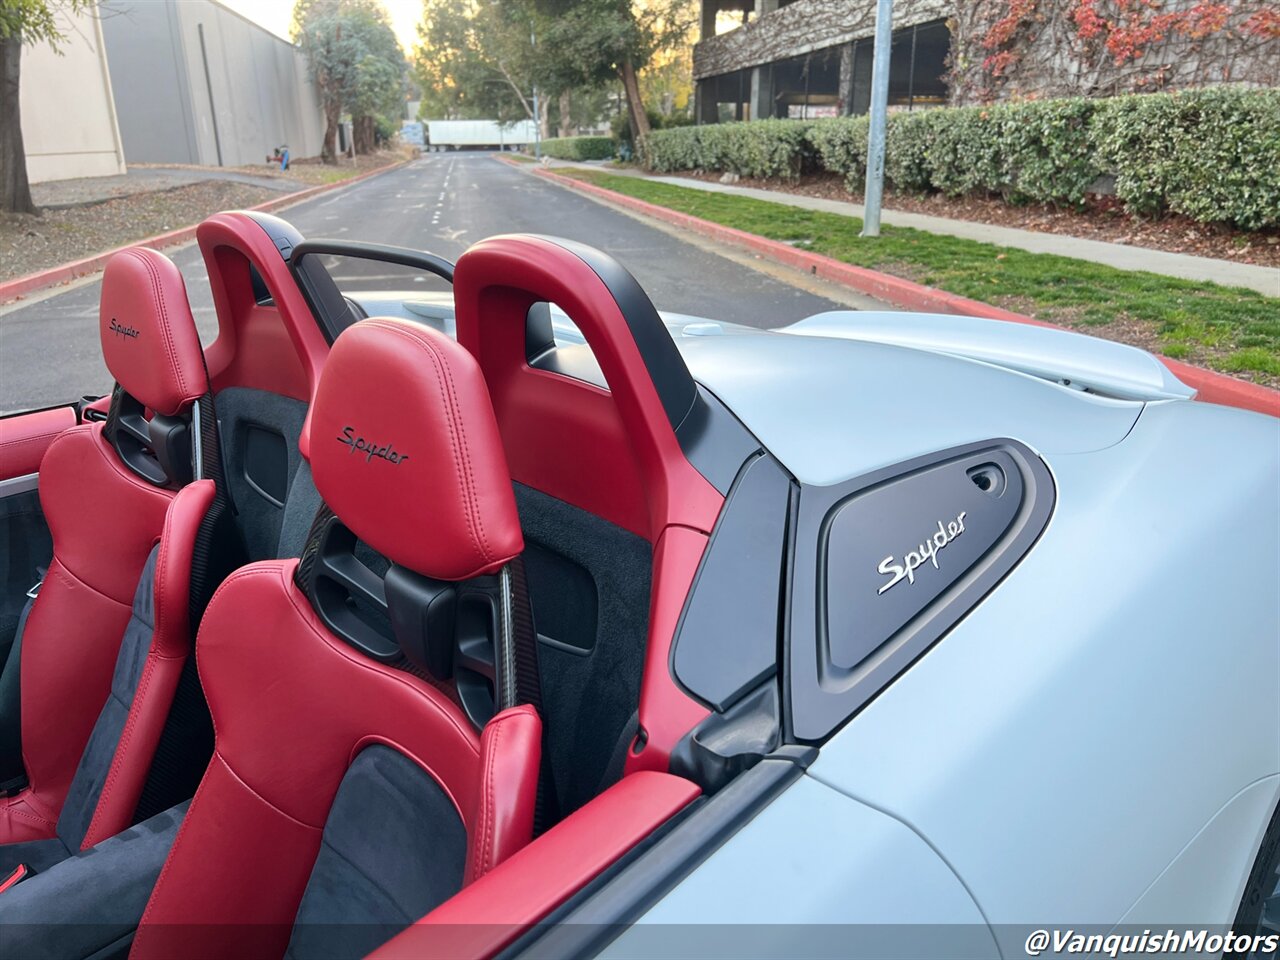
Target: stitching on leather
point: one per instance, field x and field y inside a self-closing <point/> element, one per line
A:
<point x="475" y="514"/>
<point x="122" y="748"/>
<point x="457" y="438"/>
<point x="93" y="431"/>
<point x="32" y="817"/>
<point x="68" y="578"/>
<point x="157" y="292"/>
<point x="288" y="816"/>
<point x="456" y="442"/>
<point x="481" y="827"/>
<point x="33" y="439"/>
<point x="499" y="731"/>
<point x="162" y="566"/>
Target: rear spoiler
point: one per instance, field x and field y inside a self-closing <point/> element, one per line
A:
<point x="1072" y="359"/>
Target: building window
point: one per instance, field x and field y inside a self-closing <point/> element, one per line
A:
<point x="808" y="86"/>
<point x="917" y="68"/>
<point x="833" y="81"/>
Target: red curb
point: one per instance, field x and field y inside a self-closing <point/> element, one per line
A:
<point x="66" y="272"/>
<point x="1211" y="387"/>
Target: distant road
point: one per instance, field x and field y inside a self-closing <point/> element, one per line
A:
<point x="443" y="203"/>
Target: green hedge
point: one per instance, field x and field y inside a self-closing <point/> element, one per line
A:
<point x="1213" y="155"/>
<point x="764" y="148"/>
<point x="578" y="148"/>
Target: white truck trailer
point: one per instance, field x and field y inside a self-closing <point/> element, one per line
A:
<point x="479" y="134"/>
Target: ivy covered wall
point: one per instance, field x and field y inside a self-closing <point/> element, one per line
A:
<point x="1015" y="49"/>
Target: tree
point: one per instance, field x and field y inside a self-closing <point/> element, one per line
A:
<point x="22" y="22"/>
<point x="480" y="59"/>
<point x="592" y="40"/>
<point x="379" y="87"/>
<point x="355" y="62"/>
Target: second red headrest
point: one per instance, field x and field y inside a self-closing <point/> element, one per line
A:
<point x="406" y="452"/>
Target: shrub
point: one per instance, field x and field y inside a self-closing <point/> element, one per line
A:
<point x="963" y="155"/>
<point x="909" y="139"/>
<point x="1133" y="140"/>
<point x="763" y="148"/>
<point x="1212" y="155"/>
<point x="620" y="125"/>
<point x="578" y="148"/>
<point x="1045" y="151"/>
<point x="840" y="146"/>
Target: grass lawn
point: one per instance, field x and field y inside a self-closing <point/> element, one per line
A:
<point x="1225" y="328"/>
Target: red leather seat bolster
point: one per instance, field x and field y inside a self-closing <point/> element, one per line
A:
<point x="24" y="439"/>
<point x="510" y="758"/>
<point x="490" y="913"/>
<point x="104" y="522"/>
<point x="170" y="647"/>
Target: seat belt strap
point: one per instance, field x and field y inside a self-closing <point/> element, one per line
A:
<point x="529" y="687"/>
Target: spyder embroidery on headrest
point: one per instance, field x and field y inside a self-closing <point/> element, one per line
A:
<point x="370" y="450"/>
<point x="122" y="331"/>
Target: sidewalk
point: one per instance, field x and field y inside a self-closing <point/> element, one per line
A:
<point x="1262" y="279"/>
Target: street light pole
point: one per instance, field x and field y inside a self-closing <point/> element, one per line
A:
<point x="537" y="114"/>
<point x="537" y="126"/>
<point x="879" y="111"/>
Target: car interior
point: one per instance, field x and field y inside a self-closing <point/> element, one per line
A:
<point x="342" y="636"/>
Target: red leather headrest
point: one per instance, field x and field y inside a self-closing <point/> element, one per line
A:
<point x="149" y="337"/>
<point x="406" y="451"/>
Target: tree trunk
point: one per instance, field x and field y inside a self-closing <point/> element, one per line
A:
<point x="332" y="114"/>
<point x="544" y="118"/>
<point x="363" y="129"/>
<point x="15" y="191"/>
<point x="635" y="106"/>
<point x="566" y="123"/>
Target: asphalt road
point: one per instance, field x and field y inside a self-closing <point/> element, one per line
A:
<point x="49" y="350"/>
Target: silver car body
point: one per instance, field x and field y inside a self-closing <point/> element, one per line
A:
<point x="1097" y="742"/>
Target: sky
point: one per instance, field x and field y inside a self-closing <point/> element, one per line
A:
<point x="277" y="15"/>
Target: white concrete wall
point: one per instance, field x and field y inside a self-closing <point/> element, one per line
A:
<point x="257" y="94"/>
<point x="68" y="116"/>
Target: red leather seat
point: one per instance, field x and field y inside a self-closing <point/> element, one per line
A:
<point x="125" y="527"/>
<point x="347" y="795"/>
